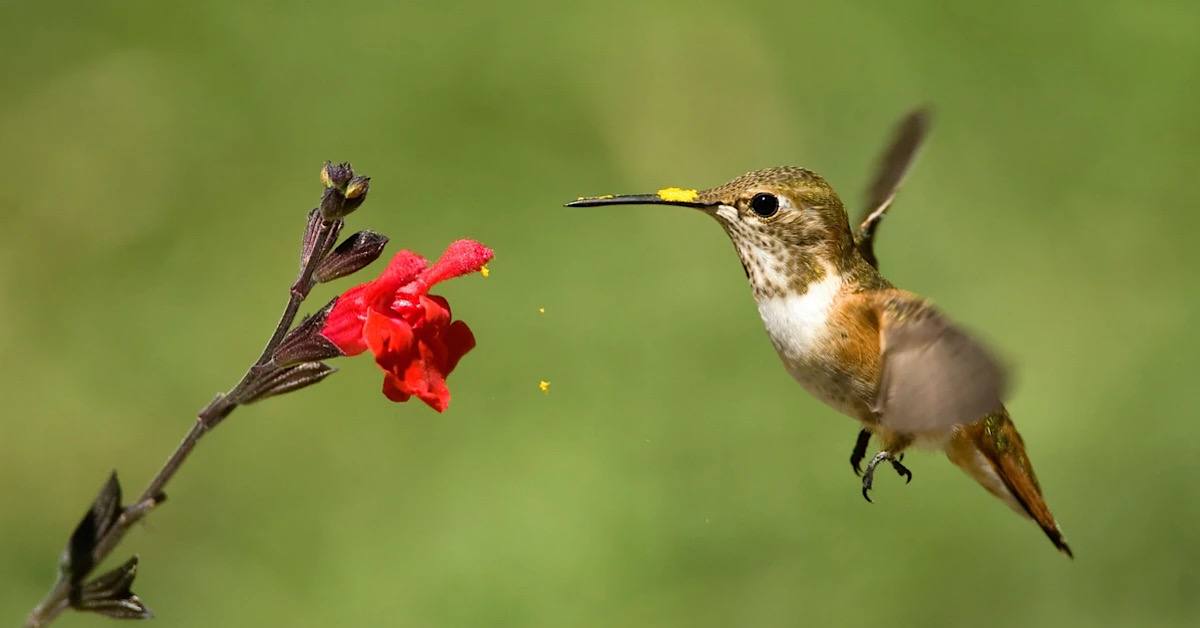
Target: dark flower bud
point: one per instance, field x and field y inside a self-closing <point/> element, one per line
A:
<point x="337" y="203"/>
<point x="287" y="380"/>
<point x="358" y="187"/>
<point x="111" y="594"/>
<point x="356" y="193"/>
<point x="352" y="255"/>
<point x="333" y="204"/>
<point x="344" y="192"/>
<point x="78" y="559"/>
<point x="305" y="343"/>
<point x="336" y="175"/>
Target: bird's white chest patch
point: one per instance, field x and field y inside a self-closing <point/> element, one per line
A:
<point x="798" y="325"/>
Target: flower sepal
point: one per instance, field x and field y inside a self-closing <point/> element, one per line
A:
<point x="319" y="236"/>
<point x="286" y="380"/>
<point x="304" y="343"/>
<point x="352" y="255"/>
<point x="111" y="595"/>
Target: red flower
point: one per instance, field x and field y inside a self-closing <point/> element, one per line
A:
<point x="410" y="331"/>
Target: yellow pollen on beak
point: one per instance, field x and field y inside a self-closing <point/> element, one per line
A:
<point x="678" y="195"/>
<point x="595" y="198"/>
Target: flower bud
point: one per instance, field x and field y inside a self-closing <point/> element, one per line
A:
<point x="334" y="203"/>
<point x="358" y="187"/>
<point x="287" y="380"/>
<point x="356" y="194"/>
<point x="344" y="192"/>
<point x="336" y="175"/>
<point x="352" y="255"/>
<point x="79" y="559"/>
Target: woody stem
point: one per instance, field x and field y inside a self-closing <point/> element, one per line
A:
<point x="58" y="598"/>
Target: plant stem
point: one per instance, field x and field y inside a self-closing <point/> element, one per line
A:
<point x="58" y="599"/>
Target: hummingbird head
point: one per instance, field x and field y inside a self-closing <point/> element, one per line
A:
<point x="788" y="225"/>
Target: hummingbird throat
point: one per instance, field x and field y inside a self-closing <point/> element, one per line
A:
<point x="774" y="267"/>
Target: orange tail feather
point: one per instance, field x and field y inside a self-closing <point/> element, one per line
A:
<point x="992" y="451"/>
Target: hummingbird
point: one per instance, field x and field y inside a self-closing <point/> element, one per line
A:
<point x="883" y="356"/>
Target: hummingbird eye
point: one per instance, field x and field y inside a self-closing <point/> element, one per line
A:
<point x="765" y="205"/>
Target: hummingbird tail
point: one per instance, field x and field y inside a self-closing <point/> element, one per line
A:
<point x="992" y="451"/>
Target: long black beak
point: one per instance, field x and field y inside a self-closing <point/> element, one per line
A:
<point x="669" y="196"/>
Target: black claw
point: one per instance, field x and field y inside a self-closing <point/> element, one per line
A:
<point x="860" y="451"/>
<point x="865" y="496"/>
<point x="903" y="471"/>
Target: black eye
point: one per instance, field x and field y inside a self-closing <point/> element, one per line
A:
<point x="764" y="204"/>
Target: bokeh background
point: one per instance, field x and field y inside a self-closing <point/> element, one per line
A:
<point x="158" y="162"/>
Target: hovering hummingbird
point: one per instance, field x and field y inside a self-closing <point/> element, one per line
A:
<point x="881" y="355"/>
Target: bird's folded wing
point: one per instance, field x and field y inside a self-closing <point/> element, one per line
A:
<point x="934" y="374"/>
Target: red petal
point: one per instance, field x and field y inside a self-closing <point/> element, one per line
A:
<point x="436" y="311"/>
<point x="402" y="270"/>
<point x="459" y="340"/>
<point x="460" y="258"/>
<point x="344" y="325"/>
<point x="392" y="390"/>
<point x="417" y="375"/>
<point x="390" y="339"/>
<point x="425" y="380"/>
<point x="438" y="398"/>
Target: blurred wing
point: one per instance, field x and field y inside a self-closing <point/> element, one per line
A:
<point x="893" y="165"/>
<point x="934" y="374"/>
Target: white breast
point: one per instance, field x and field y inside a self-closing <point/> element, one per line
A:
<point x="797" y="325"/>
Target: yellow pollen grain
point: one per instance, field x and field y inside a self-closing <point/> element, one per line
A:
<point x="485" y="271"/>
<point x="678" y="195"/>
<point x="541" y="310"/>
<point x="544" y="386"/>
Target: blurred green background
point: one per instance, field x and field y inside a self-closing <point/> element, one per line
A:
<point x="159" y="160"/>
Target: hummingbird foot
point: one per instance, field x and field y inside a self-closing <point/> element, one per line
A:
<point x="902" y="470"/>
<point x="869" y="477"/>
<point x="860" y="451"/>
